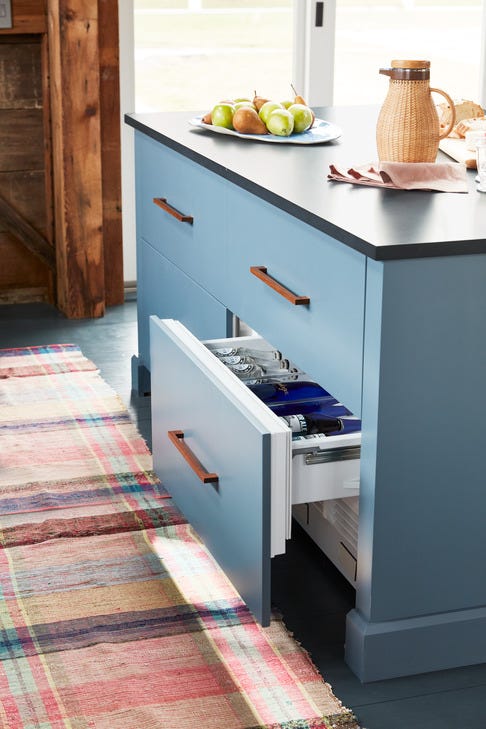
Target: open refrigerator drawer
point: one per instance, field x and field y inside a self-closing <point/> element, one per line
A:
<point x="230" y="461"/>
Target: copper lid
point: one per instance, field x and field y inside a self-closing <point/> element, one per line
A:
<point x="410" y="64"/>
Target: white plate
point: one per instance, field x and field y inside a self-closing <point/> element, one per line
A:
<point x="321" y="131"/>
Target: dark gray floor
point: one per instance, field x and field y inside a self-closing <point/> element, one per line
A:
<point x="309" y="592"/>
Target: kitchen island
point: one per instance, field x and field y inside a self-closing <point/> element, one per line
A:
<point x="395" y="328"/>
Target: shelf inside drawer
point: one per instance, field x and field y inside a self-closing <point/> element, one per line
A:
<point x="323" y="467"/>
<point x="333" y="526"/>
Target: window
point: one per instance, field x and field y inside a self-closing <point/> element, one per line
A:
<point x="370" y="34"/>
<point x="192" y="53"/>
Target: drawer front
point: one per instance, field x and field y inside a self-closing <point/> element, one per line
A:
<point x="164" y="290"/>
<point x="325" y="336"/>
<point x="189" y="228"/>
<point x="232" y="515"/>
<point x="230" y="439"/>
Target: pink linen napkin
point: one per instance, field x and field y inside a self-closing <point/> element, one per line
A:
<point x="443" y="176"/>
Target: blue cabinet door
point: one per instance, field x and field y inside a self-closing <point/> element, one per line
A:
<point x="324" y="336"/>
<point x="188" y="222"/>
<point x="232" y="441"/>
<point x="164" y="290"/>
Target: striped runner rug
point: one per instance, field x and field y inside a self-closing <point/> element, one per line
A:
<point x="112" y="613"/>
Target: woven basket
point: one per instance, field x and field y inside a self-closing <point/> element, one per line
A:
<point x="408" y="127"/>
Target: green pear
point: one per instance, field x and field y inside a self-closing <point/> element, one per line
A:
<point x="267" y="109"/>
<point x="222" y="115"/>
<point x="280" y="122"/>
<point x="303" y="117"/>
<point x="243" y="103"/>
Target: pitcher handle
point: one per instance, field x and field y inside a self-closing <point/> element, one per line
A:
<point x="453" y="110"/>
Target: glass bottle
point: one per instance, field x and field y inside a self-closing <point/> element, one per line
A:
<point x="266" y="364"/>
<point x="319" y="423"/>
<point x="246" y="370"/>
<point x="257" y="354"/>
<point x="325" y="406"/>
<point x="481" y="163"/>
<point x="301" y="424"/>
<point x="287" y="389"/>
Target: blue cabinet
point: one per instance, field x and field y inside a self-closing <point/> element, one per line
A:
<point x="380" y="296"/>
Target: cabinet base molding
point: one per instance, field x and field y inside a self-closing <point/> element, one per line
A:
<point x="140" y="377"/>
<point x="418" y="645"/>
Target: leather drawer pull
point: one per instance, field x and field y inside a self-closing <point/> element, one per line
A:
<point x="261" y="273"/>
<point x="162" y="203"/>
<point x="177" y="438"/>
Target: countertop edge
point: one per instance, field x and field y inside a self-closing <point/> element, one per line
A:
<point x="378" y="253"/>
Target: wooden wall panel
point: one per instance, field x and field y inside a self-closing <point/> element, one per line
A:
<point x="23" y="274"/>
<point x="60" y="125"/>
<point x="20" y="74"/>
<point x="24" y="190"/>
<point x="28" y="16"/>
<point x="22" y="135"/>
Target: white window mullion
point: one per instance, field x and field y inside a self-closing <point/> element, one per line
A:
<point x="482" y="60"/>
<point x="299" y="49"/>
<point x="314" y="31"/>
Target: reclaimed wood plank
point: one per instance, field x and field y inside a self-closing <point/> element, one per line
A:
<point x="48" y="229"/>
<point x="111" y="150"/>
<point x="20" y="74"/>
<point x="27" y="234"/>
<point x="27" y="295"/>
<point x="24" y="190"/>
<point x="76" y="139"/>
<point x="28" y="16"/>
<point x="22" y="134"/>
<point x="20" y="269"/>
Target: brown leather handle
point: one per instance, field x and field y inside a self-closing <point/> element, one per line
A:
<point x="162" y="203"/>
<point x="261" y="273"/>
<point x="177" y="438"/>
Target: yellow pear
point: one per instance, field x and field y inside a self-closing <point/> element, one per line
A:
<point x="207" y="118"/>
<point x="247" y="121"/>
<point x="300" y="100"/>
<point x="258" y="101"/>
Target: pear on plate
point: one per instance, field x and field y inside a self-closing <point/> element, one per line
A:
<point x="247" y="121"/>
<point x="303" y="117"/>
<point x="222" y="115"/>
<point x="280" y="122"/>
<point x="258" y="101"/>
<point x="298" y="99"/>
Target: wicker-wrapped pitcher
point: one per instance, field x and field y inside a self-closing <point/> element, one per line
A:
<point x="408" y="125"/>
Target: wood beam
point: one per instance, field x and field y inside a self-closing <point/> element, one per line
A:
<point x="111" y="149"/>
<point x="29" y="236"/>
<point x="73" y="32"/>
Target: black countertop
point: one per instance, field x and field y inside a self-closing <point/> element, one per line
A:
<point x="381" y="223"/>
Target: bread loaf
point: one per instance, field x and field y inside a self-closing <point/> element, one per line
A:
<point x="464" y="110"/>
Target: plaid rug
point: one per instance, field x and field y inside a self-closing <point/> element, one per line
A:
<point x="112" y="613"/>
